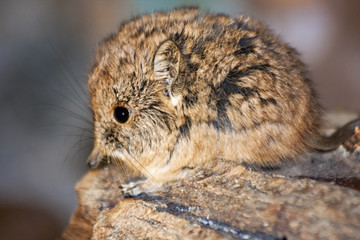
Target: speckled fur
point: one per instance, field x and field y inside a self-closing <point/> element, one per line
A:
<point x="199" y="87"/>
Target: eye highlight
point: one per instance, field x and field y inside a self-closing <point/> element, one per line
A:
<point x="121" y="114"/>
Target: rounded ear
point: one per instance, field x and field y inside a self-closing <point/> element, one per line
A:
<point x="168" y="65"/>
<point x="167" y="61"/>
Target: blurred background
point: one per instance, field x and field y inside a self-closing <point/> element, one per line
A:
<point x="46" y="51"/>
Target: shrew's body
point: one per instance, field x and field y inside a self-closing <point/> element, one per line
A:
<point x="174" y="90"/>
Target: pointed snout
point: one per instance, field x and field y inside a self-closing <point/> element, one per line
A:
<point x="94" y="159"/>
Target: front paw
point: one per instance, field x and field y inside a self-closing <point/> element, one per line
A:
<point x="133" y="189"/>
<point x="130" y="189"/>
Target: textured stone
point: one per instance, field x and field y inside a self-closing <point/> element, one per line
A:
<point x="226" y="200"/>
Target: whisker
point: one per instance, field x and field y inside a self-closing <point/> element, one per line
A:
<point x="120" y="164"/>
<point x="69" y="112"/>
<point x="90" y="130"/>
<point x="112" y="179"/>
<point x="87" y="110"/>
<point x="67" y="157"/>
<point x="81" y="141"/>
<point x="69" y="75"/>
<point x="86" y="133"/>
<point x="86" y="138"/>
<point x="134" y="159"/>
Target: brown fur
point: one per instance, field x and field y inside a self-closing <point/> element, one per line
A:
<point x="199" y="87"/>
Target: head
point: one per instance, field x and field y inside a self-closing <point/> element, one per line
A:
<point x="135" y="97"/>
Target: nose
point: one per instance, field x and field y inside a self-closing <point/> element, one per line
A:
<point x="94" y="159"/>
<point x="92" y="164"/>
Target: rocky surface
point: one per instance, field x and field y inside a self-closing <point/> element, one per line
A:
<point x="317" y="197"/>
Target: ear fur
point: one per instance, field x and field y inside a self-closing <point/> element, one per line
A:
<point x="168" y="63"/>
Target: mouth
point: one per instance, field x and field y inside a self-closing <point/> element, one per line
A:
<point x="98" y="160"/>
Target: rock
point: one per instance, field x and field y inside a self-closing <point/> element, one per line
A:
<point x="226" y="200"/>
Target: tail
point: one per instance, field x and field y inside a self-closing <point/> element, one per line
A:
<point x="343" y="134"/>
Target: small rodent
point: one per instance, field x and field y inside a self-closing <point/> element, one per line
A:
<point x="173" y="90"/>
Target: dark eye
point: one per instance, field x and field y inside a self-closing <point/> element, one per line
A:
<point x="121" y="114"/>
